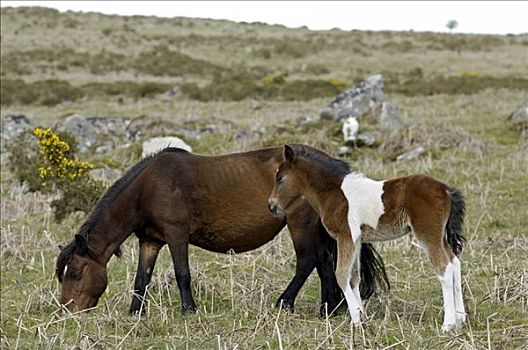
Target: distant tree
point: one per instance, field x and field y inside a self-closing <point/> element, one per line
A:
<point x="451" y="24"/>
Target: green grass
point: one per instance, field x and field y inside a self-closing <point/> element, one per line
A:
<point x="454" y="93"/>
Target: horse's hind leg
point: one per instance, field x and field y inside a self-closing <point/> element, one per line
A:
<point x="148" y="253"/>
<point x="177" y="238"/>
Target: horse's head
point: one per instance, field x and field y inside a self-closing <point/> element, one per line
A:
<point x="287" y="185"/>
<point x="82" y="277"/>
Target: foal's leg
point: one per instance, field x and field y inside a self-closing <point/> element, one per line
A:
<point x="177" y="238"/>
<point x="459" y="299"/>
<point x="345" y="259"/>
<point x="441" y="258"/>
<point x="356" y="276"/>
<point x="148" y="253"/>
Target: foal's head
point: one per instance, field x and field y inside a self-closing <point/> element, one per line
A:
<point x="83" y="278"/>
<point x="287" y="186"/>
<point x="304" y="171"/>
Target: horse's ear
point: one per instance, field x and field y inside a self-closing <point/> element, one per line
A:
<point x="61" y="247"/>
<point x="289" y="154"/>
<point x="81" y="244"/>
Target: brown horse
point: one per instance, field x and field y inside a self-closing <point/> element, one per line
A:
<point x="216" y="203"/>
<point x="356" y="209"/>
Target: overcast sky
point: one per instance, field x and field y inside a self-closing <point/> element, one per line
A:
<point x="496" y="17"/>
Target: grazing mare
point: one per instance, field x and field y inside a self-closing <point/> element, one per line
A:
<point x="355" y="209"/>
<point x="217" y="203"/>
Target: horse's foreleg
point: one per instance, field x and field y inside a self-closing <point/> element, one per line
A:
<point x="178" y="241"/>
<point x="303" y="242"/>
<point x="331" y="294"/>
<point x="346" y="251"/>
<point x="148" y="253"/>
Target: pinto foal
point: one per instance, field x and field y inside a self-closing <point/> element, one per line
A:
<point x="356" y="209"/>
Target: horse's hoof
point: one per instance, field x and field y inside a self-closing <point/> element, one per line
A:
<point x="189" y="309"/>
<point x="326" y="310"/>
<point x="133" y="312"/>
<point x="285" y="305"/>
<point x="136" y="310"/>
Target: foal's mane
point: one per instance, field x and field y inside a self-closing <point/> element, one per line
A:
<point x="102" y="204"/>
<point x="336" y="166"/>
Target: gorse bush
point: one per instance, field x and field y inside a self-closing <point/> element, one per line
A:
<point x="58" y="163"/>
<point x="49" y="166"/>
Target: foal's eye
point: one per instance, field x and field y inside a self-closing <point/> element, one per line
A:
<point x="76" y="275"/>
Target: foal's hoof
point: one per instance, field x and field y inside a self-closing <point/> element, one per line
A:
<point x="449" y="327"/>
<point x="284" y="304"/>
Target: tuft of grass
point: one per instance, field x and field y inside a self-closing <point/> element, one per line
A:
<point x="466" y="83"/>
<point x="461" y="122"/>
<point x="161" y="61"/>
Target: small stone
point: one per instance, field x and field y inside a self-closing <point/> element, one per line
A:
<point x="366" y="140"/>
<point x="12" y="125"/>
<point x="242" y="135"/>
<point x="344" y="151"/>
<point x="305" y="120"/>
<point x="412" y="154"/>
<point x="519" y="120"/>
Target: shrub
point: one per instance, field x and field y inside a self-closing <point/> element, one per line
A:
<point x="245" y="85"/>
<point x="49" y="165"/>
<point x="162" y="61"/>
<point x="44" y="92"/>
<point x="24" y="161"/>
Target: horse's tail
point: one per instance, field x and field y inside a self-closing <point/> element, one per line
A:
<point x="454" y="236"/>
<point x="372" y="272"/>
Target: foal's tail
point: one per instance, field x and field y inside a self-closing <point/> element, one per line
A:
<point x="372" y="272"/>
<point x="454" y="236"/>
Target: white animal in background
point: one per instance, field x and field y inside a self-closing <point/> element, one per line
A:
<point x="156" y="144"/>
<point x="350" y="129"/>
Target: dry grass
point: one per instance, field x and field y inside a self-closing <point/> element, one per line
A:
<point x="467" y="142"/>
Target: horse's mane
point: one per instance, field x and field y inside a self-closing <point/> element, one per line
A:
<point x="336" y="166"/>
<point x="102" y="204"/>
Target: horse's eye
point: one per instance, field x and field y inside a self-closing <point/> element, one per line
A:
<point x="279" y="178"/>
<point x="76" y="275"/>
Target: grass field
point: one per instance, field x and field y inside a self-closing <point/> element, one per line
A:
<point x="454" y="93"/>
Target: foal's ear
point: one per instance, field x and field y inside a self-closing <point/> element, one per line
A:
<point x="81" y="244"/>
<point x="289" y="154"/>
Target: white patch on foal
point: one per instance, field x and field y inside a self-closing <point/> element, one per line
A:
<point x="364" y="202"/>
